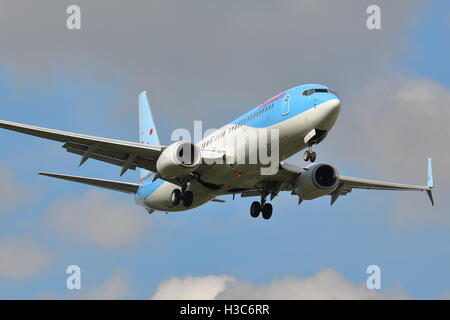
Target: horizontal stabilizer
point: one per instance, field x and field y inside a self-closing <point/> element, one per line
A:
<point x="107" y="184"/>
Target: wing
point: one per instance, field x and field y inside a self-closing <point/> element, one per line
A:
<point x="346" y="184"/>
<point x="125" y="154"/>
<point x="290" y="172"/>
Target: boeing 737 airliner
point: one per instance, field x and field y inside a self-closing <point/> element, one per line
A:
<point x="185" y="175"/>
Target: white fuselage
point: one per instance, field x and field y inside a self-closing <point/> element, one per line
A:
<point x="292" y="131"/>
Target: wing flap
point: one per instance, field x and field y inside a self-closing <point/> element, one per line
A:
<point x="95" y="156"/>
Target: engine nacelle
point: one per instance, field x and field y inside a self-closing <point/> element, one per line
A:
<point x="178" y="159"/>
<point x="316" y="181"/>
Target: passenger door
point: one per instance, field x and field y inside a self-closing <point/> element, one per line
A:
<point x="285" y="105"/>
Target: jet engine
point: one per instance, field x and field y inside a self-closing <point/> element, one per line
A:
<point x="178" y="159"/>
<point x="316" y="181"/>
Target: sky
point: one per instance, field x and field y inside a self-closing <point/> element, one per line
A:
<point x="212" y="61"/>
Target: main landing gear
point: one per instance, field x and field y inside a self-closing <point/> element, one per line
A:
<point x="309" y="155"/>
<point x="261" y="207"/>
<point x="177" y="195"/>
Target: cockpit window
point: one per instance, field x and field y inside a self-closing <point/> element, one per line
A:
<point x="332" y="91"/>
<point x="318" y="90"/>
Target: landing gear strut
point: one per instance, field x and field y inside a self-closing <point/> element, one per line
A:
<point x="309" y="155"/>
<point x="186" y="196"/>
<point x="261" y="207"/>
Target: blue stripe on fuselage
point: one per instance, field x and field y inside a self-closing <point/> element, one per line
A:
<point x="148" y="187"/>
<point x="272" y="111"/>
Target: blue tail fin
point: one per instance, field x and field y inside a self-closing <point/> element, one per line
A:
<point x="147" y="128"/>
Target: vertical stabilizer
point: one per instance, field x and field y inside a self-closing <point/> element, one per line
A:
<point x="147" y="128"/>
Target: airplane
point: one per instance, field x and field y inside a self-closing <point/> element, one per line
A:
<point x="178" y="177"/>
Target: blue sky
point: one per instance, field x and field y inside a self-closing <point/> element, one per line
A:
<point x="216" y="239"/>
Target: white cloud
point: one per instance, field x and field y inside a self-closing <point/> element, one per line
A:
<point x="193" y="51"/>
<point x="389" y="129"/>
<point x="22" y="258"/>
<point x="11" y="193"/>
<point x="116" y="287"/>
<point x="47" y="295"/>
<point x="98" y="218"/>
<point x="191" y="288"/>
<point x="326" y="284"/>
<point x="396" y="119"/>
<point x="445" y="295"/>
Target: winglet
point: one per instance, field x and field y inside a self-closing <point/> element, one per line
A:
<point x="430" y="181"/>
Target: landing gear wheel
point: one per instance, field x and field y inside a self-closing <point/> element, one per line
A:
<point x="267" y="211"/>
<point x="255" y="209"/>
<point x="309" y="156"/>
<point x="175" y="197"/>
<point x="188" y="198"/>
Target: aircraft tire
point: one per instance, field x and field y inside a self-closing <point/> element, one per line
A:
<point x="188" y="199"/>
<point x="267" y="211"/>
<point x="306" y="156"/>
<point x="255" y="209"/>
<point x="175" y="197"/>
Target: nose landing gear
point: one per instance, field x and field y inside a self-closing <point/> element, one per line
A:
<point x="315" y="136"/>
<point x="309" y="155"/>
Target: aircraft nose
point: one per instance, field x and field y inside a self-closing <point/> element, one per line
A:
<point x="330" y="107"/>
<point x="334" y="105"/>
<point x="329" y="111"/>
